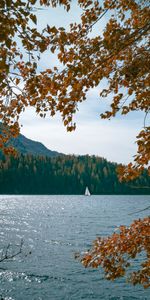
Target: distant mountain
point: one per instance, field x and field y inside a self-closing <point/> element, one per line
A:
<point x="27" y="146"/>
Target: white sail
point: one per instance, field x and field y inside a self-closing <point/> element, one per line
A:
<point x="87" y="192"/>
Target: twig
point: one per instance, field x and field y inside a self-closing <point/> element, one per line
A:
<point x="148" y="207"/>
<point x="7" y="256"/>
<point x="147" y="112"/>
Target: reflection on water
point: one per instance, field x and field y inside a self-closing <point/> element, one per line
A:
<point x="53" y="229"/>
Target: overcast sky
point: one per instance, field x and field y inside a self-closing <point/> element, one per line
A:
<point x="114" y="139"/>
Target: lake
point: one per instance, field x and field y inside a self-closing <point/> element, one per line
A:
<point x="53" y="229"/>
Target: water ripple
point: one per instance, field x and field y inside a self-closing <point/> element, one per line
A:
<point x="54" y="228"/>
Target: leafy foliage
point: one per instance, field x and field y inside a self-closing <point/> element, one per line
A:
<point x="120" y="55"/>
<point x="116" y="252"/>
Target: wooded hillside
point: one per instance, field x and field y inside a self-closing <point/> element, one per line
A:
<point x="27" y="174"/>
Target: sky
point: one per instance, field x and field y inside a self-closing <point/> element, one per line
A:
<point x="112" y="139"/>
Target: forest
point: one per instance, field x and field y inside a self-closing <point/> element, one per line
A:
<point x="66" y="174"/>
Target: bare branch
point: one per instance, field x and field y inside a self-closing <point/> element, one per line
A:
<point x="7" y="256"/>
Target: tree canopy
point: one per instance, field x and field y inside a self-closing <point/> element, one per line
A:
<point x="120" y="54"/>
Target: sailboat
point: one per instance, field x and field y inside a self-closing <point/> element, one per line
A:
<point x="87" y="192"/>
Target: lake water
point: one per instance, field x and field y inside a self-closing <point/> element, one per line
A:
<point x="53" y="229"/>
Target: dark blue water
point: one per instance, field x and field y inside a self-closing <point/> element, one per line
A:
<point x="53" y="229"/>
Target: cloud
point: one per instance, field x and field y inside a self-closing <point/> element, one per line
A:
<point x="113" y="139"/>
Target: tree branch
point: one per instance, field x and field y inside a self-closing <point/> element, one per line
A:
<point x="5" y="254"/>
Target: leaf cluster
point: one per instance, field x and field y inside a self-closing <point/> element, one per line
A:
<point x="115" y="253"/>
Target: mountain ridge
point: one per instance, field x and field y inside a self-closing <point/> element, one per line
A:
<point x="25" y="146"/>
